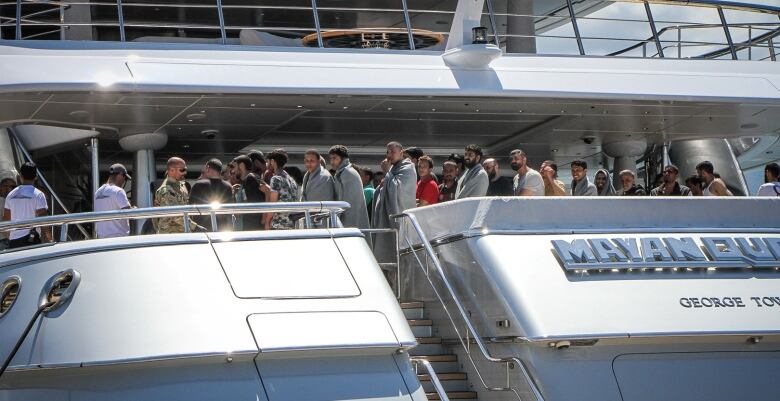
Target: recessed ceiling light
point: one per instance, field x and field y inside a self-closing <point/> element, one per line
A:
<point x="345" y="107"/>
<point x="433" y="109"/>
<point x="196" y="116"/>
<point x="477" y="110"/>
<point x="521" y="111"/>
<point x="185" y="146"/>
<point x="253" y="105"/>
<point x="389" y="109"/>
<point x="749" y="126"/>
<point x="555" y="150"/>
<point x="300" y="107"/>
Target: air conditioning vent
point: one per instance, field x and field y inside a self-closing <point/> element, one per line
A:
<point x="8" y="294"/>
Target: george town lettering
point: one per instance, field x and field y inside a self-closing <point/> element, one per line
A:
<point x="666" y="252"/>
<point x="729" y="302"/>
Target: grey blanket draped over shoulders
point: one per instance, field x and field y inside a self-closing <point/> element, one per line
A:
<point x="474" y="183"/>
<point x="318" y="186"/>
<point x="396" y="194"/>
<point x="349" y="188"/>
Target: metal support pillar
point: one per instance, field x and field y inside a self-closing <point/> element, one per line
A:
<point x="93" y="148"/>
<point x="728" y="33"/>
<point x="520" y="27"/>
<point x="656" y="39"/>
<point x="570" y="5"/>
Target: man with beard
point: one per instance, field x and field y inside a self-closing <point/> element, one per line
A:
<point x="713" y="184"/>
<point x="527" y="182"/>
<point x="630" y="187"/>
<point x="449" y="185"/>
<point x="499" y="185"/>
<point x="669" y="185"/>
<point x="580" y="185"/>
<point x="349" y="188"/>
<point x="395" y="194"/>
<point x="474" y="182"/>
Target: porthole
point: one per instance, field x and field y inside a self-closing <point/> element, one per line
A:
<point x="59" y="289"/>
<point x="9" y="292"/>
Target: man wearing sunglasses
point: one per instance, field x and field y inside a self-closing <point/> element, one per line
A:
<point x="670" y="186"/>
<point x="173" y="192"/>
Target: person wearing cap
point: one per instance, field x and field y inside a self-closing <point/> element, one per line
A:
<point x="212" y="189"/>
<point x="23" y="203"/>
<point x="112" y="196"/>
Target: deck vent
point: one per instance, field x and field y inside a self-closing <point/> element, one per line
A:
<point x="60" y="288"/>
<point x="9" y="291"/>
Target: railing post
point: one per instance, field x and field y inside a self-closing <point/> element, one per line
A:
<point x="727" y="32"/>
<point x="576" y="28"/>
<point x="408" y="21"/>
<point x="187" y="228"/>
<point x="121" y="17"/>
<point x="492" y="16"/>
<point x="750" y="42"/>
<point x="221" y="16"/>
<point x="62" y="22"/>
<point x="657" y="40"/>
<point x="214" y="226"/>
<point x="772" y="55"/>
<point x="679" y="42"/>
<point x="307" y="219"/>
<point x="317" y="22"/>
<point x="64" y="233"/>
<point x="18" y="19"/>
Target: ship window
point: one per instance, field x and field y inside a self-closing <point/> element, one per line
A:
<point x="8" y="294"/>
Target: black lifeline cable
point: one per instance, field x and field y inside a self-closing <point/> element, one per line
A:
<point x="19" y="343"/>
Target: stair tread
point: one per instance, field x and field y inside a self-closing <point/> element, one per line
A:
<point x="438" y="358"/>
<point x="443" y="376"/>
<point x="428" y="340"/>
<point x="454" y="395"/>
<point x="412" y="305"/>
<point x="419" y="322"/>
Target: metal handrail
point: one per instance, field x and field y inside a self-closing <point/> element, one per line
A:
<point x="461" y="309"/>
<point x="222" y="28"/>
<point x="739" y="46"/>
<point x="186" y="211"/>
<point x="434" y="377"/>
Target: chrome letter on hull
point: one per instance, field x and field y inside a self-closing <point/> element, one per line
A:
<point x="573" y="253"/>
<point x="668" y="253"/>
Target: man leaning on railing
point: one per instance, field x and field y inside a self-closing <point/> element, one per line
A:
<point x="23" y="203"/>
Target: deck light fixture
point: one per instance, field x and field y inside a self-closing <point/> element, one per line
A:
<point x="479" y="35"/>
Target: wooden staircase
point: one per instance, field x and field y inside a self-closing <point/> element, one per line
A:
<point x="444" y="362"/>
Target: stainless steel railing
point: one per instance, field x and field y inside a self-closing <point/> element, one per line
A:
<point x="333" y="209"/>
<point x="434" y="377"/>
<point x="471" y="333"/>
<point x="126" y="20"/>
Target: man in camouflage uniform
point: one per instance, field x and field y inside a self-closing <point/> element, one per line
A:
<point x="173" y="192"/>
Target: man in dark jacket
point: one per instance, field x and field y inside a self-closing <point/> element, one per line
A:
<point x="212" y="189"/>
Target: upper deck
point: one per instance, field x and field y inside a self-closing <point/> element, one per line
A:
<point x="700" y="29"/>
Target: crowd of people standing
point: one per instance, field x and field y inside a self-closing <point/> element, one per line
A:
<point x="406" y="180"/>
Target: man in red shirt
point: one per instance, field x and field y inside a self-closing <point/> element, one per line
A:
<point x="427" y="190"/>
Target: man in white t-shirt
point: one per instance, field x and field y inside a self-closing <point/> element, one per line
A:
<point x="23" y="203"/>
<point x="527" y="182"/>
<point x="772" y="179"/>
<point x="111" y="196"/>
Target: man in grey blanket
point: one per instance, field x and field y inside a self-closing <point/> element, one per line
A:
<point x="349" y="188"/>
<point x="395" y="194"/>
<point x="474" y="182"/>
